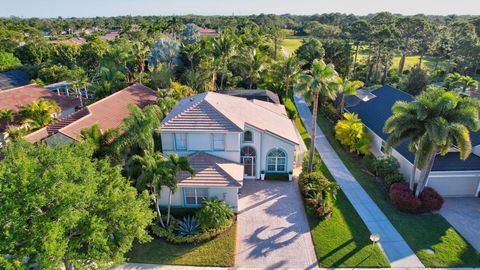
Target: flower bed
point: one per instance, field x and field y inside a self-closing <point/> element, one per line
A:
<point x="404" y="200"/>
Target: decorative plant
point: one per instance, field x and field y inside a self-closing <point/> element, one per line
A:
<point x="352" y="133"/>
<point x="214" y="214"/>
<point x="188" y="226"/>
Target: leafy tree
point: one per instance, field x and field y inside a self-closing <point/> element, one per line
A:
<point x="8" y="61"/>
<point x="66" y="54"/>
<point x="310" y="50"/>
<point x="110" y="80"/>
<point x="417" y="81"/>
<point x="339" y="53"/>
<point x="320" y="80"/>
<point x="165" y="51"/>
<point x="324" y="31"/>
<point x="433" y="123"/>
<point x="191" y="33"/>
<point x="62" y="209"/>
<point x="91" y="54"/>
<point x="359" y="32"/>
<point x="197" y="80"/>
<point x="9" y="40"/>
<point x="352" y="133"/>
<point x="409" y="29"/>
<point x="251" y="63"/>
<point x="33" y="53"/>
<point x="161" y="76"/>
<point x="100" y="141"/>
<point x="288" y="72"/>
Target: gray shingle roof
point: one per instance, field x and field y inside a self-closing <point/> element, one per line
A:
<point x="376" y="111"/>
<point x="212" y="171"/>
<point x="13" y="78"/>
<point x="212" y="111"/>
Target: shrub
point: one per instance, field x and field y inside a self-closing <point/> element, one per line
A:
<point x="290" y="107"/>
<point x="319" y="192"/>
<point x="404" y="200"/>
<point x="432" y="201"/>
<point x="369" y="161"/>
<point x="386" y="165"/>
<point x="317" y="162"/>
<point x="170" y="236"/>
<point x="188" y="226"/>
<point x="329" y="111"/>
<point x="393" y="178"/>
<point x="214" y="214"/>
<point x="276" y="176"/>
<point x="352" y="133"/>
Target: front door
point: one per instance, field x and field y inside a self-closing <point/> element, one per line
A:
<point x="249" y="166"/>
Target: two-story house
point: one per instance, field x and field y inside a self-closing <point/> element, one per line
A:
<point x="228" y="139"/>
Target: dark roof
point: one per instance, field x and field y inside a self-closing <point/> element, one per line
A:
<point x="264" y="95"/>
<point x="13" y="78"/>
<point x="376" y="111"/>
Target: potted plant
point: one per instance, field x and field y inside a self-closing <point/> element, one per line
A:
<point x="290" y="176"/>
<point x="262" y="175"/>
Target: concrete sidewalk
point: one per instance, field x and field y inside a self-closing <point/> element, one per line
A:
<point x="394" y="246"/>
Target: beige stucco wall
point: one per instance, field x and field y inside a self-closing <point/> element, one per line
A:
<point x="227" y="194"/>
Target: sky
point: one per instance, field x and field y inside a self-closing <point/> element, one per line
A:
<point x="93" y="8"/>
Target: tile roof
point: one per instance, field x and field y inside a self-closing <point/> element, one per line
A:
<point x="265" y="95"/>
<point x="212" y="171"/>
<point x="108" y="113"/>
<point x="376" y="111"/>
<point x="15" y="98"/>
<point x="212" y="111"/>
<point x="13" y="78"/>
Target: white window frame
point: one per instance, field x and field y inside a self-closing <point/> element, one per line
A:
<point x="198" y="199"/>
<point x="177" y="136"/>
<point x="220" y="142"/>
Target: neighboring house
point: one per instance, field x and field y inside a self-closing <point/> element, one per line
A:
<point x="227" y="139"/>
<point x="15" y="98"/>
<point x="208" y="32"/>
<point x="108" y="113"/>
<point x="264" y="95"/>
<point x="13" y="78"/>
<point x="110" y="36"/>
<point x="450" y="175"/>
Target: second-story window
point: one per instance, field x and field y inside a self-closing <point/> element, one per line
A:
<point x="247" y="136"/>
<point x="218" y="141"/>
<point x="181" y="141"/>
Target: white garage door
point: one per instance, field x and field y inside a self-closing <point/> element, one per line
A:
<point x="454" y="185"/>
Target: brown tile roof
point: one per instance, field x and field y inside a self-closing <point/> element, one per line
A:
<point x="108" y="113"/>
<point x="212" y="171"/>
<point x="212" y="111"/>
<point x="15" y="98"/>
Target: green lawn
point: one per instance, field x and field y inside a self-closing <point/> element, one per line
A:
<point x="291" y="44"/>
<point x="217" y="252"/>
<point x="343" y="240"/>
<point x="420" y="231"/>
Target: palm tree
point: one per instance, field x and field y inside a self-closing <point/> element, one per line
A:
<point x="40" y="113"/>
<point x="468" y="82"/>
<point x="137" y="130"/>
<point x="141" y="53"/>
<point x="435" y="122"/>
<point x="223" y="49"/>
<point x="99" y="140"/>
<point x="288" y="72"/>
<point x="320" y="80"/>
<point x="251" y="64"/>
<point x="346" y="88"/>
<point x="453" y="80"/>
<point x="157" y="172"/>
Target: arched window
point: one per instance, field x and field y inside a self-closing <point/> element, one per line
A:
<point x="276" y="160"/>
<point x="247" y="136"/>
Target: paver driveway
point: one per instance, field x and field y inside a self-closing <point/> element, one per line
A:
<point x="273" y="231"/>
<point x="464" y="215"/>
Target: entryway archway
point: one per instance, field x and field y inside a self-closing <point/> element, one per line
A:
<point x="248" y="158"/>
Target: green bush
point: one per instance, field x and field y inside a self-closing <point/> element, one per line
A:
<point x="276" y="176"/>
<point x="369" y="161"/>
<point x="393" y="178"/>
<point x="290" y="107"/>
<point x="386" y="165"/>
<point x="329" y="111"/>
<point x="214" y="214"/>
<point x="319" y="193"/>
<point x="170" y="236"/>
<point x="317" y="162"/>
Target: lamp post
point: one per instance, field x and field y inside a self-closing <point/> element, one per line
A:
<point x="375" y="238"/>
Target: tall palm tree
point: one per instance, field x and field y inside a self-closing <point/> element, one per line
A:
<point x="435" y="122"/>
<point x="78" y="85"/>
<point x="288" y="72"/>
<point x="157" y="172"/>
<point x="251" y="64"/>
<point x="141" y="53"/>
<point x="99" y="140"/>
<point x="320" y="80"/>
<point x="223" y="49"/>
<point x="346" y="88"/>
<point x="137" y="130"/>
